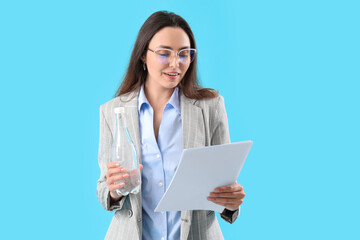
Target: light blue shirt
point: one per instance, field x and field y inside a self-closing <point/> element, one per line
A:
<point x="160" y="160"/>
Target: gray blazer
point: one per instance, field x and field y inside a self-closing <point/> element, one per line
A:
<point x="204" y="123"/>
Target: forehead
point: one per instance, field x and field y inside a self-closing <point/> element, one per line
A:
<point x="174" y="37"/>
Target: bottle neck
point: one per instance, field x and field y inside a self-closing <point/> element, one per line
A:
<point x="120" y="120"/>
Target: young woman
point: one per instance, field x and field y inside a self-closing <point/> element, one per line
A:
<point x="167" y="111"/>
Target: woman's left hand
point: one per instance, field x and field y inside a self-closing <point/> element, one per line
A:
<point x="230" y="196"/>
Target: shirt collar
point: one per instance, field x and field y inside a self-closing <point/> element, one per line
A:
<point x="174" y="100"/>
<point x="142" y="98"/>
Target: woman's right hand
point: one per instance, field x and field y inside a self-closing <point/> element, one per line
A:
<point x="114" y="174"/>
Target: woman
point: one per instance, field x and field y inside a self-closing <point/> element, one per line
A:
<point x="167" y="111"/>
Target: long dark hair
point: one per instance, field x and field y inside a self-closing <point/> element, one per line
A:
<point x="135" y="74"/>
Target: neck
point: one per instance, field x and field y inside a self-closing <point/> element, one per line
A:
<point x="157" y="95"/>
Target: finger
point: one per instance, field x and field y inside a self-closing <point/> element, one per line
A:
<point x="118" y="177"/>
<point x="116" y="170"/>
<point x="228" y="205"/>
<point x="141" y="166"/>
<point x="231" y="206"/>
<point x="229" y="188"/>
<point x="113" y="187"/>
<point x="240" y="194"/>
<point x="224" y="200"/>
<point x="113" y="164"/>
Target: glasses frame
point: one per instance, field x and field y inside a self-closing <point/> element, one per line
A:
<point x="177" y="53"/>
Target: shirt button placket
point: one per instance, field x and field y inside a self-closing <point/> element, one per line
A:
<point x="161" y="184"/>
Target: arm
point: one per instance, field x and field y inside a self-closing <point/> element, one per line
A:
<point x="221" y="135"/>
<point x="102" y="191"/>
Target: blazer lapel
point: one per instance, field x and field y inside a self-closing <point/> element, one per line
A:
<point x="193" y="133"/>
<point x="192" y="123"/>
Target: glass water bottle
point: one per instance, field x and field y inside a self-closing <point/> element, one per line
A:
<point x="123" y="151"/>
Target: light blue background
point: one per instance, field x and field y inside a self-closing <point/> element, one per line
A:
<point x="289" y="73"/>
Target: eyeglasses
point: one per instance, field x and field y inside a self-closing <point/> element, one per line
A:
<point x="165" y="55"/>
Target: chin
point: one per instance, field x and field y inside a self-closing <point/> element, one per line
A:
<point x="171" y="84"/>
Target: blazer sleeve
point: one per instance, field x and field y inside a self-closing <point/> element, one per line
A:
<point x="220" y="130"/>
<point x="105" y="142"/>
<point x="221" y="135"/>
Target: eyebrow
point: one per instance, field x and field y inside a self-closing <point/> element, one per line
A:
<point x="163" y="46"/>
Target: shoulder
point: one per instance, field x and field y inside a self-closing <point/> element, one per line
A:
<point x="107" y="107"/>
<point x="127" y="99"/>
<point x="210" y="104"/>
<point x="109" y="103"/>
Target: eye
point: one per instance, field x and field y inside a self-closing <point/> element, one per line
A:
<point x="184" y="53"/>
<point x="163" y="53"/>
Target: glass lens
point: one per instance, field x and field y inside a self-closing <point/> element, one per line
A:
<point x="163" y="55"/>
<point x="186" y="56"/>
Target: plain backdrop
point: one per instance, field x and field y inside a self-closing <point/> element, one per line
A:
<point x="289" y="74"/>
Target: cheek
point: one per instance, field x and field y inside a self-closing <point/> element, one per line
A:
<point x="154" y="68"/>
<point x="184" y="70"/>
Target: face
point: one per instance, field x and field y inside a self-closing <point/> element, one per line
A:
<point x="174" y="38"/>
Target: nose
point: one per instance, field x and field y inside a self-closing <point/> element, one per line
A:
<point x="174" y="61"/>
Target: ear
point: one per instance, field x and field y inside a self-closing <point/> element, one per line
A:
<point x="143" y="58"/>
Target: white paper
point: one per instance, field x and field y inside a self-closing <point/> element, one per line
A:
<point x="200" y="171"/>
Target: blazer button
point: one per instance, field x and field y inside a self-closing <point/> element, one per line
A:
<point x="130" y="213"/>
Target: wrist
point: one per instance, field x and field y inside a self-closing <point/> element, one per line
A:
<point x="115" y="197"/>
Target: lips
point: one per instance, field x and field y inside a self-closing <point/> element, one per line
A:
<point x="172" y="73"/>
